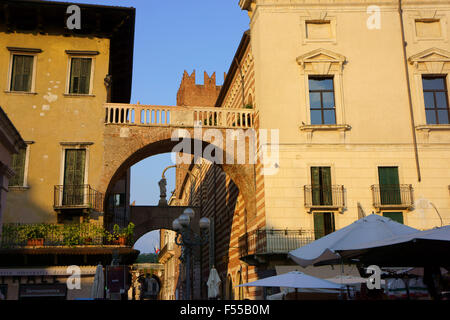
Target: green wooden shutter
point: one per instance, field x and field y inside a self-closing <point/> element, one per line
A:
<point x="389" y="185"/>
<point x="85" y="75"/>
<point x="396" y="216"/>
<point x="319" y="225"/>
<point x="18" y="165"/>
<point x="73" y="193"/>
<point x="315" y="185"/>
<point x="328" y="222"/>
<point x="22" y="73"/>
<point x="80" y="75"/>
<point x="321" y="186"/>
<point x="326" y="186"/>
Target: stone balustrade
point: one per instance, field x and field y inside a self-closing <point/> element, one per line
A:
<point x="177" y="116"/>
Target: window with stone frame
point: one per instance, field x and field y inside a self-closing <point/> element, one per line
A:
<point x="22" y="73"/>
<point x="436" y="99"/>
<point x="18" y="166"/>
<point x="80" y="75"/>
<point x="321" y="100"/>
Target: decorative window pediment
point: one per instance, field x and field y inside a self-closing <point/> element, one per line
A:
<point x="321" y="61"/>
<point x="433" y="60"/>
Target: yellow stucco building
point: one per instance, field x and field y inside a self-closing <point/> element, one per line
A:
<point x="363" y="122"/>
<point x="53" y="85"/>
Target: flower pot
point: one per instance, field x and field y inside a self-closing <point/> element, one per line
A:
<point x="122" y="241"/>
<point x="35" y="242"/>
<point x="87" y="241"/>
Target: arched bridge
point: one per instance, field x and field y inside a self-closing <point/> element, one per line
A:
<point x="135" y="132"/>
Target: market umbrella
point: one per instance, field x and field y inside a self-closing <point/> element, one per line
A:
<point x="364" y="230"/>
<point x="418" y="249"/>
<point x="97" y="290"/>
<point x="213" y="284"/>
<point x="293" y="279"/>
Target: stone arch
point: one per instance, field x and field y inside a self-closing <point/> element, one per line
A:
<point x="125" y="146"/>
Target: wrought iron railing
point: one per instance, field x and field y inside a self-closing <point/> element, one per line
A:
<point x="22" y="235"/>
<point x="77" y="196"/>
<point x="319" y="196"/>
<point x="400" y="195"/>
<point x="273" y="241"/>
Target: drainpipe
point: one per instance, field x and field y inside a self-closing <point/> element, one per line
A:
<point x="413" y="126"/>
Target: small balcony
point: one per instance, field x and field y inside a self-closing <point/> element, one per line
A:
<point x="320" y="198"/>
<point x="166" y="253"/>
<point x="399" y="196"/>
<point x="76" y="197"/>
<point x="260" y="247"/>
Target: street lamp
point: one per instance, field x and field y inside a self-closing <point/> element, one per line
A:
<point x="187" y="238"/>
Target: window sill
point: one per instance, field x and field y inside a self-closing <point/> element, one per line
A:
<point x="18" y="188"/>
<point x="20" y="92"/>
<point x="325" y="127"/>
<point x="76" y="95"/>
<point x="434" y="127"/>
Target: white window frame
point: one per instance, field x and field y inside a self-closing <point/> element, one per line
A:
<point x="432" y="61"/>
<point x="33" y="75"/>
<point x="332" y="66"/>
<point x="69" y="73"/>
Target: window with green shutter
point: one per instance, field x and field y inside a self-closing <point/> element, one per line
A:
<point x="73" y="190"/>
<point x="396" y="216"/>
<point x="22" y="73"/>
<point x="321" y="186"/>
<point x="323" y="224"/>
<point x="80" y="75"/>
<point x="389" y="185"/>
<point x="18" y="165"/>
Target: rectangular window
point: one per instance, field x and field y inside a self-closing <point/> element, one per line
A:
<point x="323" y="224"/>
<point x="436" y="99"/>
<point x="18" y="165"/>
<point x="389" y="185"/>
<point x="74" y="167"/>
<point x="321" y="186"/>
<point x="321" y="100"/>
<point x="80" y="75"/>
<point x="22" y="73"/>
<point x="396" y="216"/>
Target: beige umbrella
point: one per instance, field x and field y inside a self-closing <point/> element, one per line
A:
<point x="98" y="287"/>
<point x="213" y="284"/>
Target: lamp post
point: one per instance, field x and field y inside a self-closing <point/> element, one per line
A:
<point x="188" y="239"/>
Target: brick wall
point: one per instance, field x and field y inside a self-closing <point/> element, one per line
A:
<point x="198" y="95"/>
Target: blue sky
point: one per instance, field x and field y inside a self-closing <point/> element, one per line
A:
<point x="172" y="36"/>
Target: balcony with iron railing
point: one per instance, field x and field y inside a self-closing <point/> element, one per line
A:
<point x="399" y="196"/>
<point x="322" y="198"/>
<point x="259" y="246"/>
<point x="77" y="197"/>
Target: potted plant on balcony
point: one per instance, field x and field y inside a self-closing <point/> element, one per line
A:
<point x="35" y="235"/>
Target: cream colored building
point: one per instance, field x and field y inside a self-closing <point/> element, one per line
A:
<point x="331" y="78"/>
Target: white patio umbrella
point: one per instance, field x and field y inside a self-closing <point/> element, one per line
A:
<point x="97" y="290"/>
<point x="213" y="283"/>
<point x="364" y="230"/>
<point x="418" y="249"/>
<point x="293" y="279"/>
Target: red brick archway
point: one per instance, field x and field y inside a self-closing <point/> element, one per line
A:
<point x="125" y="146"/>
